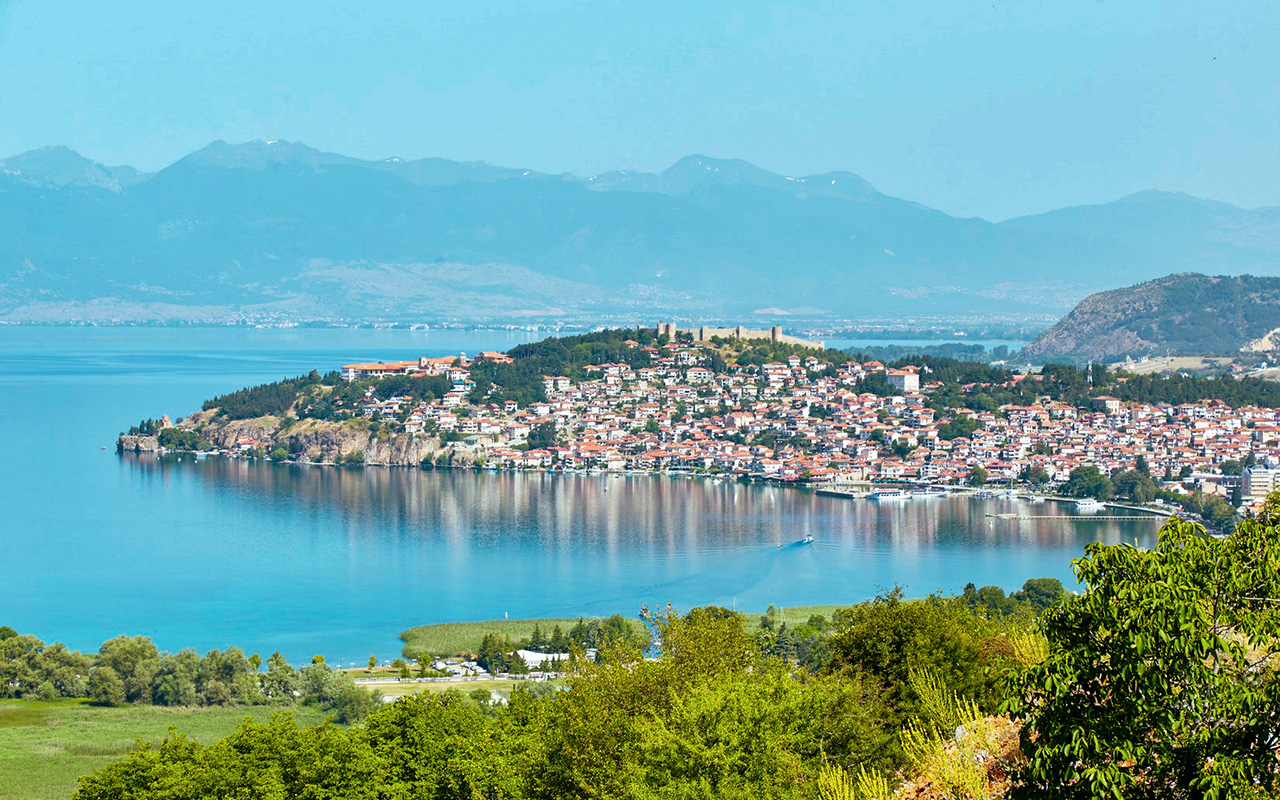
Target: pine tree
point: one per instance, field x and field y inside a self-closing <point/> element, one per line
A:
<point x="557" y="644"/>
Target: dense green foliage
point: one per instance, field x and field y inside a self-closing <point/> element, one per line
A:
<point x="984" y="387"/>
<point x="1035" y="596"/>
<point x="1089" y="481"/>
<point x="497" y="652"/>
<point x="182" y="439"/>
<point x="131" y="670"/>
<point x="962" y="426"/>
<point x="1161" y="680"/>
<point x="543" y="435"/>
<point x="521" y="380"/>
<point x="885" y="640"/>
<point x="955" y="351"/>
<point x="268" y="399"/>
<point x="716" y="717"/>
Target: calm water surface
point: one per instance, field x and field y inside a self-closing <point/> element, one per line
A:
<point x="211" y="552"/>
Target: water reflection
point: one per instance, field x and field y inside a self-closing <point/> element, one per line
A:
<point x="664" y="523"/>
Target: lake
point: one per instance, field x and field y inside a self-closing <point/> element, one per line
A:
<point x="212" y="552"/>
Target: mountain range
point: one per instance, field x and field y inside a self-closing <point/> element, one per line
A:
<point x="278" y="230"/>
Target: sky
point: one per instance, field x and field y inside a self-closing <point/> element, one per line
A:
<point x="979" y="109"/>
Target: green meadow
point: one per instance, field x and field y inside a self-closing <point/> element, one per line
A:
<point x="452" y="638"/>
<point x="46" y="746"/>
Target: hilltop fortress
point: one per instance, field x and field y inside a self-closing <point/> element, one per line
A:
<point x="705" y="334"/>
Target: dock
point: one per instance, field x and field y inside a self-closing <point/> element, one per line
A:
<point x="839" y="493"/>
<point x="1082" y="517"/>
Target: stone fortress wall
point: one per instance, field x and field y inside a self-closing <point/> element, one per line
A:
<point x="704" y="334"/>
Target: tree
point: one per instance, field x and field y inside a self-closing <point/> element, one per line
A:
<point x="1041" y="593"/>
<point x="1158" y="680"/>
<point x="542" y="436"/>
<point x="105" y="687"/>
<point x="373" y="661"/>
<point x="134" y="660"/>
<point x="1135" y="485"/>
<point x="537" y="642"/>
<point x="961" y="426"/>
<point x="557" y="643"/>
<point x="1269" y="512"/>
<point x="174" y="683"/>
<point x="888" y="637"/>
<point x="1035" y="475"/>
<point x="281" y="681"/>
<point x="977" y="476"/>
<point x="1088" y="481"/>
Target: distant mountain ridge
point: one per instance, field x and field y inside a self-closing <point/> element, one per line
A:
<point x="1184" y="314"/>
<point x="279" y="230"/>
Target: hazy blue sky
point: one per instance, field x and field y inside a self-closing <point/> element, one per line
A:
<point x="986" y="109"/>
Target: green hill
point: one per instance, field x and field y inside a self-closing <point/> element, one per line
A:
<point x="1183" y="314"/>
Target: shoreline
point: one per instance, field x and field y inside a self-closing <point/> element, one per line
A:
<point x="835" y="490"/>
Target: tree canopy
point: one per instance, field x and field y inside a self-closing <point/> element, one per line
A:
<point x="1160" y="679"/>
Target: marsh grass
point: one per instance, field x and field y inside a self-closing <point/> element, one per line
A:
<point x="46" y="746"/>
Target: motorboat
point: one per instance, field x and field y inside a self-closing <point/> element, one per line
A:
<point x="1088" y="504"/>
<point x="890" y="494"/>
<point x="930" y="491"/>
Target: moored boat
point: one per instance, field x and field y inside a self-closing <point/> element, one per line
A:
<point x="890" y="494"/>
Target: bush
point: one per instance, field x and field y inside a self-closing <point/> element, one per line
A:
<point x="182" y="439"/>
<point x="1155" y="684"/>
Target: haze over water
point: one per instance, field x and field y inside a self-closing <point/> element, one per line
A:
<point x="212" y="552"/>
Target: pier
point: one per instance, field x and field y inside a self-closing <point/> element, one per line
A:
<point x="1083" y="517"/>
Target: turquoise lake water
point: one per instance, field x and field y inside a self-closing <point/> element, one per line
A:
<point x="212" y="552"/>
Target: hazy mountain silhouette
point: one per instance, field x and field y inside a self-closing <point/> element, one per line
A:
<point x="279" y="228"/>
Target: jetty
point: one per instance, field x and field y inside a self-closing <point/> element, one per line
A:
<point x="1154" y="516"/>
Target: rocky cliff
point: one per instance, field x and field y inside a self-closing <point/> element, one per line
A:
<point x="1183" y="314"/>
<point x="313" y="441"/>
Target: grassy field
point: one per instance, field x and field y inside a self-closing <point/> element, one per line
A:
<point x="1177" y="364"/>
<point x="500" y="685"/>
<point x="793" y="615"/>
<point x="44" y="747"/>
<point x="451" y="638"/>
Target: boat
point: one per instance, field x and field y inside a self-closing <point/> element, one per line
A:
<point x="930" y="491"/>
<point x="1088" y="504"/>
<point x="807" y="540"/>
<point x="890" y="494"/>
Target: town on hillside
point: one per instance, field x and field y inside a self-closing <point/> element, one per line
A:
<point x="803" y="419"/>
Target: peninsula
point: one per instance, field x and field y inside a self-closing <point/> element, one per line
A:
<point x="759" y="405"/>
